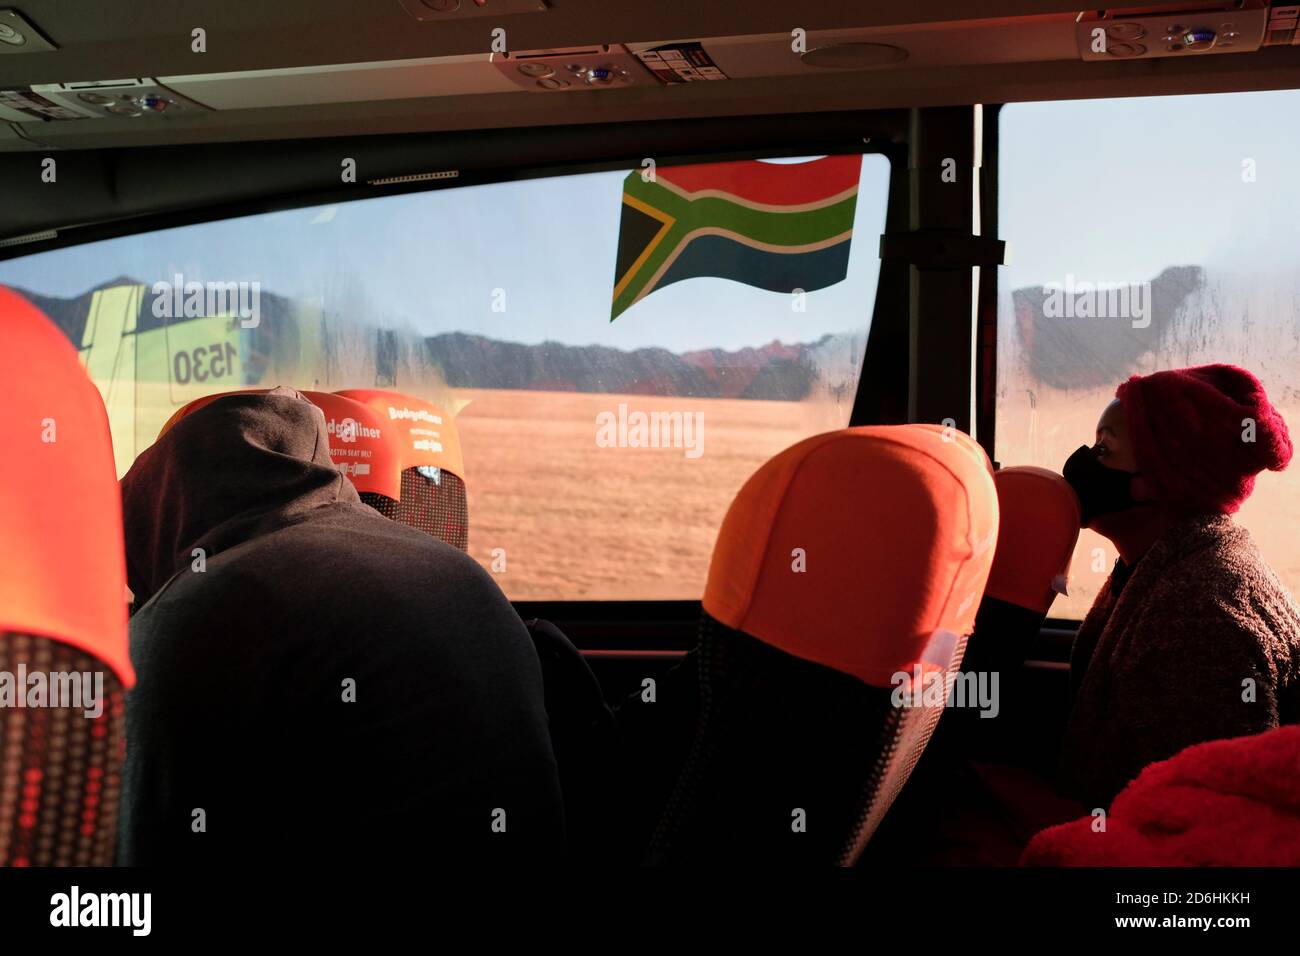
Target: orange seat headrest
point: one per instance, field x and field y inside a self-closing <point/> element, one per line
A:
<point x="427" y="434"/>
<point x="363" y="446"/>
<point x="1036" y="537"/>
<point x="852" y="548"/>
<point x="62" y="558"/>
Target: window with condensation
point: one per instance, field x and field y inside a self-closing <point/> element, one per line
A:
<point x="620" y="351"/>
<point x="1147" y="234"/>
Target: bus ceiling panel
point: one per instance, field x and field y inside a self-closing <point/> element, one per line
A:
<point x="156" y="38"/>
<point x="821" y="94"/>
<point x="837" y="91"/>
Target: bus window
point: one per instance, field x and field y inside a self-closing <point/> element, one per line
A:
<point x="1144" y="241"/>
<point x="613" y="384"/>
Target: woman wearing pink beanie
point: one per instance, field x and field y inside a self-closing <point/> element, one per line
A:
<point x="1193" y="637"/>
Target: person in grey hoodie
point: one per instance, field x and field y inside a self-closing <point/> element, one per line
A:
<point x="316" y="683"/>
<point x="1193" y="637"/>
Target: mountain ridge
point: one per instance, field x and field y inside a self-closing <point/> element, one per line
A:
<point x="775" y="371"/>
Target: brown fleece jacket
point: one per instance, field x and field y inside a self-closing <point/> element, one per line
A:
<point x="1162" y="666"/>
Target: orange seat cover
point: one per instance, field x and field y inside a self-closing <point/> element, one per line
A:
<point x="1037" y="532"/>
<point x="428" y="435"/>
<point x="363" y="446"/>
<point x="897" y="526"/>
<point x="62" y="560"/>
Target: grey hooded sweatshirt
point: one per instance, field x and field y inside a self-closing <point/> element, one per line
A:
<point x="316" y="682"/>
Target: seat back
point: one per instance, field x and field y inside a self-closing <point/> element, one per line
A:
<point x="64" y="665"/>
<point x="433" y="496"/>
<point x="364" y="448"/>
<point x="953" y="810"/>
<point x="1037" y="532"/>
<point x="845" y="577"/>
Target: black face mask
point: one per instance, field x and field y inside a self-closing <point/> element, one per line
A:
<point x="1101" y="490"/>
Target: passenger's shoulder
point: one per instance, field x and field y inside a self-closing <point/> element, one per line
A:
<point x="407" y="557"/>
<point x="1227" y="584"/>
<point x="1220" y="559"/>
<point x="334" y="555"/>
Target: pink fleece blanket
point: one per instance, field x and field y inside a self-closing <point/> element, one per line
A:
<point x="1223" y="803"/>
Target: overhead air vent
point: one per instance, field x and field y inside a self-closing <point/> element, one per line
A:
<point x="414" y="178"/>
<point x="29" y="237"/>
<point x="1196" y="29"/>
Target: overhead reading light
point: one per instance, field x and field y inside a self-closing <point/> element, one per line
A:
<point x="114" y="99"/>
<point x="854" y="56"/>
<point x="1218" y="26"/>
<point x="602" y="66"/>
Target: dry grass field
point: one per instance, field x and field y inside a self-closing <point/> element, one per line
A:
<point x="582" y="522"/>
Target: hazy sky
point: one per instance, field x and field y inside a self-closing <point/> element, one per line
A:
<point x="1116" y="190"/>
